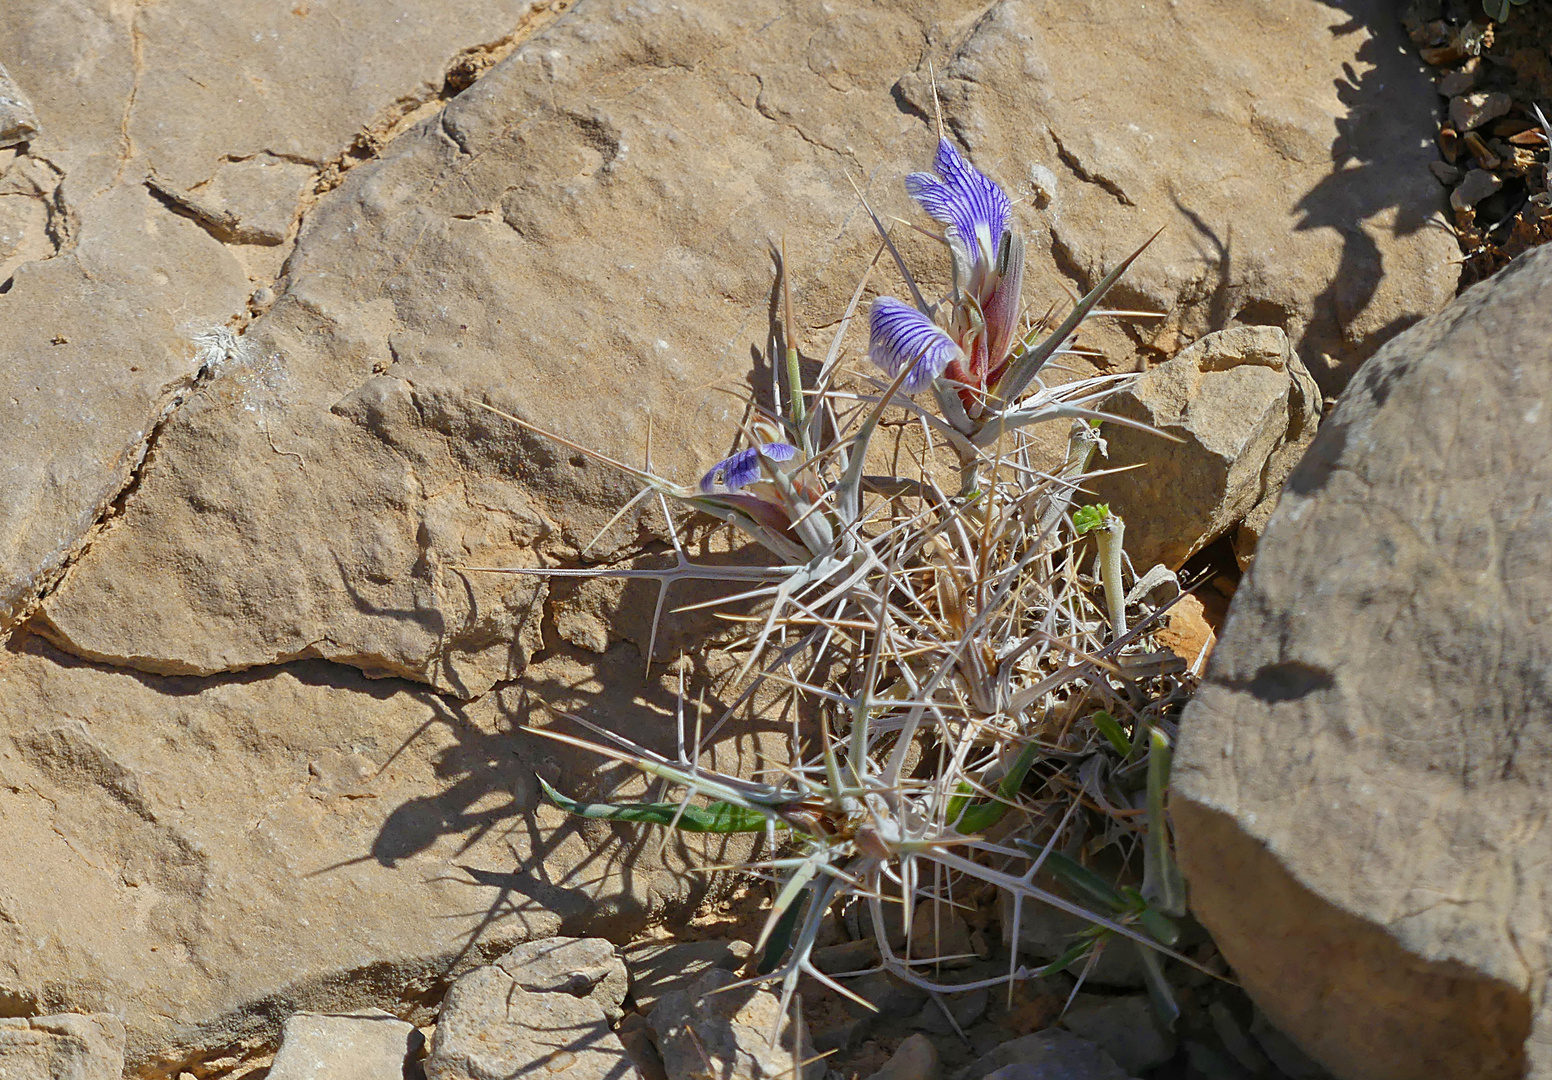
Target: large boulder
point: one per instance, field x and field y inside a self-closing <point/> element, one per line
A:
<point x="1364" y="780"/>
<point x="582" y="238"/>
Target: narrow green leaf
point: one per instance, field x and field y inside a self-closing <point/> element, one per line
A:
<point x="1161" y="880"/>
<point x="983" y="815"/>
<point x="1110" y="728"/>
<point x="1082" y="880"/>
<point x="1078" y="950"/>
<point x="718" y="817"/>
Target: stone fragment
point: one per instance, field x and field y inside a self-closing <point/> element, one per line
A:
<point x="1460" y="81"/>
<point x="1359" y="788"/>
<point x="1046" y="1055"/>
<point x="18" y="122"/>
<point x="657" y="968"/>
<point x="1124" y="1028"/>
<point x="1468" y="111"/>
<point x="635" y="1034"/>
<point x="490" y="1028"/>
<point x="66" y="1046"/>
<point x="1447" y="174"/>
<point x="914" y="1059"/>
<point x="1477" y="185"/>
<point x="581" y="967"/>
<point x="1046" y="933"/>
<point x="704" y="1035"/>
<point x="1243" y="407"/>
<point x="1186" y="631"/>
<point x="537" y="245"/>
<point x="188" y="852"/>
<point x="940" y="934"/>
<point x="965" y="1009"/>
<point x="371" y="1045"/>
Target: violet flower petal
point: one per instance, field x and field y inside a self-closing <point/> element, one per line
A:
<point x="901" y="335"/>
<point x="743" y="468"/>
<point x="965" y="199"/>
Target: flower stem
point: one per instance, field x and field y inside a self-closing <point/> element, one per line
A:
<point x="1109" y="538"/>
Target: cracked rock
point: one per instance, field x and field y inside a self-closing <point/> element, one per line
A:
<point x="71" y="1046"/>
<point x="1243" y="408"/>
<point x="592" y="263"/>
<point x="528" y="1012"/>
<point x="707" y="1033"/>
<point x="1360" y="789"/>
<point x="185" y="853"/>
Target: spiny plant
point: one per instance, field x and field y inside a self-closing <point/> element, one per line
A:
<point x="976" y="719"/>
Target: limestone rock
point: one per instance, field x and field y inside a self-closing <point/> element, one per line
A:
<point x="915" y="1059"/>
<point x="334" y="1046"/>
<point x="659" y="968"/>
<point x="1361" y="783"/>
<point x="1243" y="408"/>
<point x="1124" y="1028"/>
<point x="491" y="1027"/>
<point x="592" y="262"/>
<point x="704" y="1035"/>
<point x="581" y="967"/>
<point x="1046" y="1055"/>
<point x="18" y="123"/>
<point x="1472" y="110"/>
<point x="198" y="856"/>
<point x="70" y="1046"/>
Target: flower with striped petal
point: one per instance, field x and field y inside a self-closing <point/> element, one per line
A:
<point x="900" y="337"/>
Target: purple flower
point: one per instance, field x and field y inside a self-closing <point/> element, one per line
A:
<point x="743" y="468"/>
<point x="899" y="336"/>
<point x="975" y="209"/>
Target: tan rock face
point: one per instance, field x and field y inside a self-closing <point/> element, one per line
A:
<point x="197" y="856"/>
<point x="581" y="238"/>
<point x="1241" y="409"/>
<point x="1361" y="788"/>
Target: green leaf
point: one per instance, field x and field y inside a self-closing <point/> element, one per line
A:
<point x="1078" y="950"/>
<point x="1080" y="879"/>
<point x="1161" y="880"/>
<point x="718" y="817"/>
<point x="983" y="815"/>
<point x="1088" y="518"/>
<point x="1110" y="728"/>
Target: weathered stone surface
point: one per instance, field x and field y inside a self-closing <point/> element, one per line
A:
<point x="1124" y="1028"/>
<point x="1243" y="408"/>
<point x="18" y="123"/>
<point x="491" y="1027"/>
<point x="1046" y="1055"/>
<point x="915" y="1059"/>
<point x="706" y="1035"/>
<point x="205" y="857"/>
<point x="590" y="260"/>
<point x="337" y="1046"/>
<point x="581" y="967"/>
<point x="1469" y="111"/>
<point x="658" y="968"/>
<point x="1362" y="783"/>
<point x="69" y="1046"/>
<point x="141" y="117"/>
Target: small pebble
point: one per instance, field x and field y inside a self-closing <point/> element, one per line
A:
<point x="1477" y="185"/>
<point x="1469" y="111"/>
<point x="1460" y="81"/>
<point x="1447" y="174"/>
<point x="916" y="1059"/>
<point x="263" y="298"/>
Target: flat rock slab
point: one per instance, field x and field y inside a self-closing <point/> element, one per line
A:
<point x="1362" y="786"/>
<point x="582" y="238"/>
<point x="70" y="1046"/>
<point x="337" y="1046"/>
<point x="707" y="1032"/>
<point x="523" y="1014"/>
<point x="202" y="857"/>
